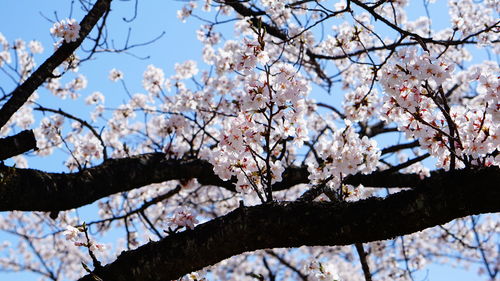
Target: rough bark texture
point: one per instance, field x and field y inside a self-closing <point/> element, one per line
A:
<point x="21" y="94"/>
<point x="17" y="144"/>
<point x="34" y="190"/>
<point x="438" y="199"/>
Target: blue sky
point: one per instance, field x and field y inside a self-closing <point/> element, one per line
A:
<point x="26" y="19"/>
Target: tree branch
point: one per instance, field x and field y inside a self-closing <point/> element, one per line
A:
<point x="443" y="197"/>
<point x="17" y="144"/>
<point x="363" y="259"/>
<point x="35" y="190"/>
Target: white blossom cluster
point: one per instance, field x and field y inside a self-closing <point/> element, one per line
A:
<point x="271" y="110"/>
<point x="186" y="70"/>
<point x="361" y="104"/>
<point x="182" y="217"/>
<point x="342" y="153"/>
<point x="87" y="148"/>
<point x="414" y="87"/>
<point x="469" y="17"/>
<point x="70" y="89"/>
<point x="68" y="29"/>
<point x="49" y="134"/>
<point x="75" y="234"/>
<point x="115" y="75"/>
<point x="153" y="79"/>
<point x="5" y="56"/>
<point x="320" y="272"/>
<point x="186" y="11"/>
<point x="23" y="53"/>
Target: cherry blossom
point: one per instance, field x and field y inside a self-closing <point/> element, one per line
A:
<point x="71" y="233"/>
<point x="183" y="217"/>
<point x="285" y="103"/>
<point x="319" y="272"/>
<point x="115" y="75"/>
<point x="67" y="29"/>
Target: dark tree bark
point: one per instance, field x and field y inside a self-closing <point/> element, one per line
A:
<point x="34" y="190"/>
<point x="17" y="144"/>
<point x="439" y="199"/>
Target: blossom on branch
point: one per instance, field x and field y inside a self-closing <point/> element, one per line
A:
<point x="67" y="29"/>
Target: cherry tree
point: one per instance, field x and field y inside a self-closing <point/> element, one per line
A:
<point x="311" y="140"/>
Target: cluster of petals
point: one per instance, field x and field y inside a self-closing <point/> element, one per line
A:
<point x="153" y="79"/>
<point x="95" y="98"/>
<point x="414" y="87"/>
<point x="194" y="276"/>
<point x="469" y="17"/>
<point x="320" y="272"/>
<point x="73" y="234"/>
<point x="68" y="29"/>
<point x="50" y="129"/>
<point x="86" y="149"/>
<point x="343" y="153"/>
<point x="271" y="109"/>
<point x="182" y="217"/>
<point x="247" y="58"/>
<point x="186" y="11"/>
<point x="25" y="62"/>
<point x="115" y="75"/>
<point x="186" y="70"/>
<point x="361" y="104"/>
<point x="235" y="154"/>
<point x="5" y="56"/>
